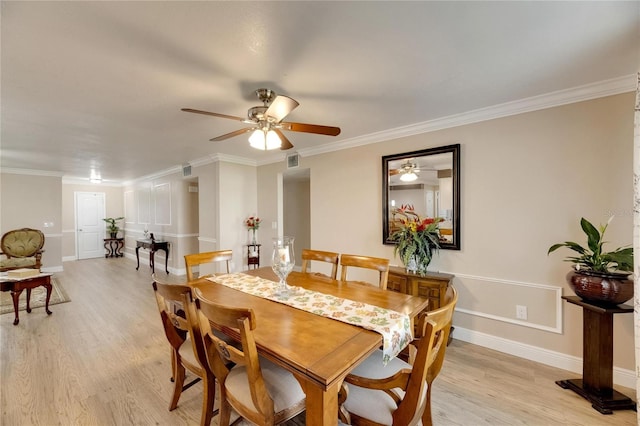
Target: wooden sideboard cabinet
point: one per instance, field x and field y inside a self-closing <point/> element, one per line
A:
<point x="432" y="285"/>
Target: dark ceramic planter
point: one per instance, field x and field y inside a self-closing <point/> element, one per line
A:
<point x="601" y="288"/>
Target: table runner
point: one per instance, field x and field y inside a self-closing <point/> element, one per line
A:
<point x="394" y="327"/>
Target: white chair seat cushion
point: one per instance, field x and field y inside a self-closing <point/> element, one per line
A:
<point x="281" y="385"/>
<point x="372" y="404"/>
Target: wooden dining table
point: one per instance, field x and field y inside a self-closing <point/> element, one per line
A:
<point x="319" y="351"/>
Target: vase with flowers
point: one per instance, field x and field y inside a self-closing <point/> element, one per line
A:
<point x="416" y="240"/>
<point x="253" y="223"/>
<point x="597" y="275"/>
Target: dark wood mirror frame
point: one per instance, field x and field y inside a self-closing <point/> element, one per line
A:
<point x="455" y="174"/>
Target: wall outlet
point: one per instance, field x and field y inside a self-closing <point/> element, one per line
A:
<point x="521" y="312"/>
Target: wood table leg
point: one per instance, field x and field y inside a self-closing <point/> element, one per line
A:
<point x="28" y="300"/>
<point x="15" y="295"/>
<point x="49" y="287"/>
<point x="322" y="405"/>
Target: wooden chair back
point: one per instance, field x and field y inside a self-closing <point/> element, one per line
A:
<point x="181" y="327"/>
<point x="191" y="260"/>
<point x="427" y="354"/>
<point x="376" y="263"/>
<point x="309" y="255"/>
<point x="442" y="318"/>
<point x="240" y="321"/>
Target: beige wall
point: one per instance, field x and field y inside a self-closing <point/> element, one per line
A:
<point x="297" y="211"/>
<point x="113" y="207"/>
<point x="526" y="180"/>
<point x="165" y="207"/>
<point x="34" y="202"/>
<point x="237" y="201"/>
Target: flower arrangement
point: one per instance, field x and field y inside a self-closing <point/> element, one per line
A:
<point x="416" y="239"/>
<point x="253" y="223"/>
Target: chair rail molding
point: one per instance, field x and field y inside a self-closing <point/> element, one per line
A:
<point x="480" y="287"/>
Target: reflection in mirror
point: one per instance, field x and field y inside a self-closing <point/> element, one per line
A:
<point x="423" y="183"/>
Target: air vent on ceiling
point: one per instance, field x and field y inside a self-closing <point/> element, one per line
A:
<point x="293" y="160"/>
<point x="186" y="170"/>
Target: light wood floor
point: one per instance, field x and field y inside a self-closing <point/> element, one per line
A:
<point x="102" y="359"/>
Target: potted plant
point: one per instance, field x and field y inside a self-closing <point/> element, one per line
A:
<point x="111" y="225"/>
<point x="416" y="240"/>
<point x="599" y="276"/>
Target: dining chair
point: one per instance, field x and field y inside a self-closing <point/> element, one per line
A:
<point x="177" y="312"/>
<point x="330" y="257"/>
<point x="257" y="389"/>
<point x="399" y="393"/>
<point x="376" y="263"/>
<point x="196" y="259"/>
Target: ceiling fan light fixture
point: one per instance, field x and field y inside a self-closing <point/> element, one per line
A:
<point x="408" y="177"/>
<point x="264" y="139"/>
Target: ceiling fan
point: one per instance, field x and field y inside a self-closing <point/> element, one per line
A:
<point x="407" y="171"/>
<point x="266" y="122"/>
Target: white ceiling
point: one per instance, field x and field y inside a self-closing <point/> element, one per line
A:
<point x="100" y="84"/>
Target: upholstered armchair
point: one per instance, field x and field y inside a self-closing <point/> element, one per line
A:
<point x="22" y="249"/>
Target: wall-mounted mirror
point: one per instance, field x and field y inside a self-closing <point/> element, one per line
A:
<point x="429" y="182"/>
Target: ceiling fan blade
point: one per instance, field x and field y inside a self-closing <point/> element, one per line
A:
<point x="311" y="128"/>
<point x="232" y="134"/>
<point x="393" y="172"/>
<point x="280" y="107"/>
<point x="214" y="114"/>
<point x="286" y="144"/>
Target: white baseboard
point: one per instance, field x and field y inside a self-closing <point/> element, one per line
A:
<point x="52" y="269"/>
<point x="69" y="258"/>
<point x="571" y="363"/>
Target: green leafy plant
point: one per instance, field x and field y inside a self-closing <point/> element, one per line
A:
<point x="112" y="227"/>
<point x="592" y="257"/>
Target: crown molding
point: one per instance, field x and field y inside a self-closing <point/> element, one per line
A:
<point x="31" y="172"/>
<point x="233" y="159"/>
<point x="75" y="180"/>
<point x="601" y="89"/>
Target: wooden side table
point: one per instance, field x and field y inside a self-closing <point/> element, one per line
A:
<point x="16" y="285"/>
<point x="153" y="245"/>
<point x="596" y="384"/>
<point x="114" y="247"/>
<point x="253" y="255"/>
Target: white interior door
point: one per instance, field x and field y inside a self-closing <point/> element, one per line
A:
<point x="90" y="227"/>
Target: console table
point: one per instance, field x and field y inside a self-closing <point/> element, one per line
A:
<point x="153" y="245"/>
<point x="114" y="247"/>
<point x="596" y="384"/>
<point x="253" y="255"/>
<point x="432" y="285"/>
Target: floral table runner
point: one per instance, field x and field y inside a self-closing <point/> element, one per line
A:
<point x="394" y="327"/>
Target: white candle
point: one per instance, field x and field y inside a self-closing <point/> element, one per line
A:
<point x="284" y="254"/>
